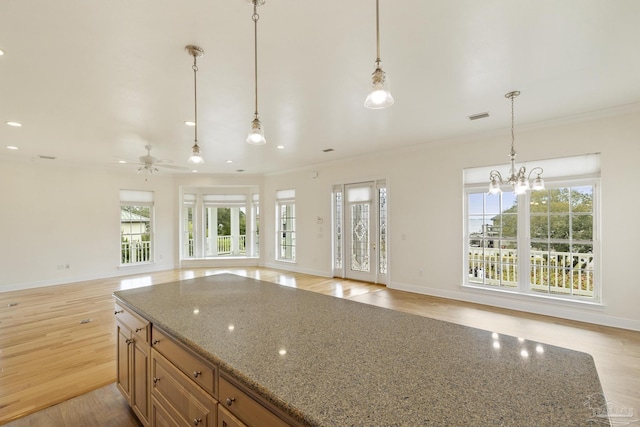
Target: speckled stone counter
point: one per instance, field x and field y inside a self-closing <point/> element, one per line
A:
<point x="333" y="362"/>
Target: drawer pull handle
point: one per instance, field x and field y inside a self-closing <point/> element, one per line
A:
<point x="130" y="341"/>
<point x="155" y="342"/>
<point x="155" y="380"/>
<point x="197" y="421"/>
<point x="118" y="311"/>
<point x="230" y="401"/>
<point x="196" y="374"/>
<point x="139" y="329"/>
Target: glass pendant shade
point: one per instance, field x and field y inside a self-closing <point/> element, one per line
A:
<point x="379" y="94"/>
<point x="494" y="187"/>
<point x="196" y="158"/>
<point x="522" y="185"/>
<point x="538" y="184"/>
<point x="256" y="134"/>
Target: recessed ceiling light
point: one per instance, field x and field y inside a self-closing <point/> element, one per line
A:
<point x="14" y="124"/>
<point x="122" y="161"/>
<point x="229" y="161"/>
<point x="11" y="147"/>
<point x="194" y="171"/>
<point x="1" y="52"/>
<point x="280" y="147"/>
<point x="189" y="123"/>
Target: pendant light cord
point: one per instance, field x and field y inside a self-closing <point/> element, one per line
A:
<point x="513" y="137"/>
<point x="255" y="18"/>
<point x="195" y="98"/>
<point x="377" y="34"/>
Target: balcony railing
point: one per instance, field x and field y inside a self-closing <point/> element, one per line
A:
<point x="550" y="272"/>
<point x="223" y="245"/>
<point x="135" y="252"/>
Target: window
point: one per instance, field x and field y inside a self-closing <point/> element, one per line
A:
<point x="286" y="225"/>
<point x="136" y="227"/>
<point x="542" y="242"/>
<point x="217" y="222"/>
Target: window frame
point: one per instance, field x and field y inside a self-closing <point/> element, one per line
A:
<point x="134" y="198"/>
<point x="285" y="198"/>
<point x="524" y="242"/>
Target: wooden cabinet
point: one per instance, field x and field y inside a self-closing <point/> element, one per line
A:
<point x="226" y="419"/>
<point x="181" y="398"/>
<point x="168" y="385"/>
<point x="245" y="407"/>
<point x="133" y="360"/>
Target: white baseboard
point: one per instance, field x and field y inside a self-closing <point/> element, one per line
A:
<point x="562" y="309"/>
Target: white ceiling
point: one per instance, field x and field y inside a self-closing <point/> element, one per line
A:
<point x="95" y="81"/>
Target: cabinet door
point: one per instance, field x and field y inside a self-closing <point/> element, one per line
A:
<point x="225" y="419"/>
<point x="182" y="398"/>
<point x="159" y="417"/>
<point x="123" y="361"/>
<point x="140" y="381"/>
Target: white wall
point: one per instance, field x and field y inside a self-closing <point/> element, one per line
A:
<point x="426" y="207"/>
<point x="42" y="205"/>
<point x="55" y="216"/>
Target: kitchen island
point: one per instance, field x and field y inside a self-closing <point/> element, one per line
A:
<point x="317" y="360"/>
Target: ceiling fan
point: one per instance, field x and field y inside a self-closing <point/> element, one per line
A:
<point x="150" y="165"/>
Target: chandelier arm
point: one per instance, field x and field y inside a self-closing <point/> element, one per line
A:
<point x="535" y="170"/>
<point x="494" y="175"/>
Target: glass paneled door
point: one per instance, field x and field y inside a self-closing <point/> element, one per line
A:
<point x="362" y="232"/>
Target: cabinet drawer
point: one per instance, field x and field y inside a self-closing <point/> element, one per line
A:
<point x="226" y="419"/>
<point x="243" y="406"/>
<point x="179" y="396"/>
<point x="192" y="366"/>
<point x="138" y="326"/>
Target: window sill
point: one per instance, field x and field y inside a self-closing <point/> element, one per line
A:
<point x="286" y="261"/>
<point x="534" y="296"/>
<point x="137" y="264"/>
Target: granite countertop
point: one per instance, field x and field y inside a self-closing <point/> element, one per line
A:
<point x="332" y="362"/>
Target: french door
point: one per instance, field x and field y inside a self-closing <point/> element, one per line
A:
<point x="360" y="231"/>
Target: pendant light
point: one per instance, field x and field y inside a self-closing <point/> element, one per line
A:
<point x="256" y="133"/>
<point x="379" y="94"/>
<point x="519" y="180"/>
<point x="196" y="52"/>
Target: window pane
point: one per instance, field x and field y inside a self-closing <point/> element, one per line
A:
<point x="492" y="204"/>
<point x="539" y="227"/>
<point x="582" y="227"/>
<point x="476" y="201"/>
<point x="509" y="225"/>
<point x="582" y="199"/>
<point x="476" y="225"/>
<point x="509" y="202"/>
<point x="539" y="202"/>
<point x="559" y="200"/>
<point x="559" y="227"/>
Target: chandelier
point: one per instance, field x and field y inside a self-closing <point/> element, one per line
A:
<point x="379" y="95"/>
<point x="196" y="52"/>
<point x="518" y="179"/>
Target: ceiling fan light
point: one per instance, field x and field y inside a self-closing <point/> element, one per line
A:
<point x="256" y="134"/>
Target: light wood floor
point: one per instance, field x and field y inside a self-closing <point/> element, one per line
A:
<point x="57" y="343"/>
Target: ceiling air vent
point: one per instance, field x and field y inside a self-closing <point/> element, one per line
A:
<point x="328" y="150"/>
<point x="479" y="116"/>
<point x="47" y="157"/>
